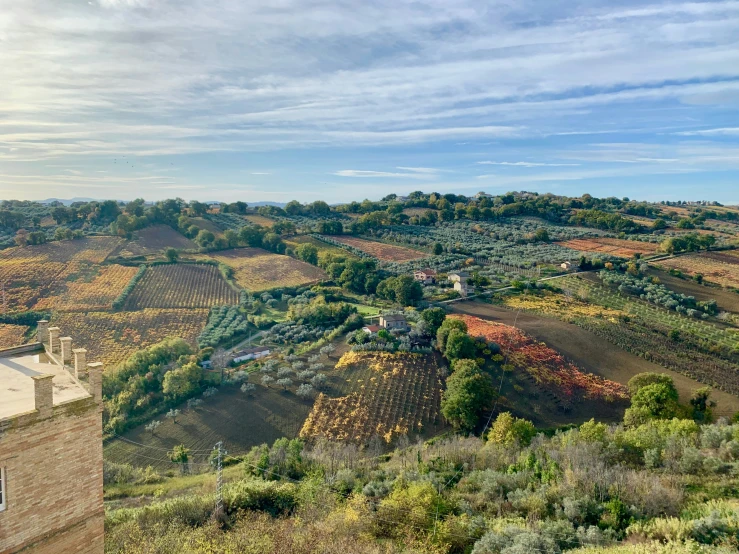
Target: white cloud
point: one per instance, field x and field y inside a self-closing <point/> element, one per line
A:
<point x="527" y="164"/>
<point x="723" y="131"/>
<point x="381" y="174"/>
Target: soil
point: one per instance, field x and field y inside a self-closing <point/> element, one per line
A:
<point x="592" y="353"/>
<point x="727" y="300"/>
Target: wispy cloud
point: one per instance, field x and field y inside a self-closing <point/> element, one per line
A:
<point x="527" y="164"/>
<point x="722" y="131"/>
<point x="380" y="174"/>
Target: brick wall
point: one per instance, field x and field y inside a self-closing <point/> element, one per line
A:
<point x="54" y="481"/>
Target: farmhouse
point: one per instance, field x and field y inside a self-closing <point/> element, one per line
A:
<point x="371" y="329"/>
<point x="395" y="321"/>
<point x="425" y="276"/>
<point x="567" y="266"/>
<point x="463" y="288"/>
<point x="51" y="448"/>
<point x="458" y="276"/>
<point x="251" y="354"/>
<point x="480" y="195"/>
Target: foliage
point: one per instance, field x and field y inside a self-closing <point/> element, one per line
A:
<point x="468" y="393"/>
<point x="507" y="430"/>
<point x="224" y="323"/>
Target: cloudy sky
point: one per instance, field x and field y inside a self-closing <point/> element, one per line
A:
<point x="342" y="100"/>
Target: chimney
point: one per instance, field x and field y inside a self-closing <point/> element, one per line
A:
<point x="80" y="362"/>
<point x="66" y="343"/>
<point x="95" y="378"/>
<point x="54" y="340"/>
<point x="43" y="393"/>
<point x="42" y="331"/>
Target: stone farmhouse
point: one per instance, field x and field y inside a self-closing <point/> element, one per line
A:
<point x="51" y="448"/>
<point x="395" y="321"/>
<point x="425" y="276"/>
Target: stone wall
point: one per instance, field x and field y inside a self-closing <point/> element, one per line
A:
<point x="54" y="481"/>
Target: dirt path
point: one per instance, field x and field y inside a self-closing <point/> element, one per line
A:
<point x="592" y="352"/>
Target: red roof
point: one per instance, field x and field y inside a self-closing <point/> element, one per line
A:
<point x="427" y="272"/>
<point x="372" y="328"/>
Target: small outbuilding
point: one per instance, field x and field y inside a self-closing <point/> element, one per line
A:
<point x="371" y="329"/>
<point x="251" y="354"/>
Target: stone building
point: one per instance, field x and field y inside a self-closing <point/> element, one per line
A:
<point x="51" y="448"/>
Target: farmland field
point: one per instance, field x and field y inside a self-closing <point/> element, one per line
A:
<point x="383" y="394"/>
<point x="544" y="365"/>
<point x="154" y="240"/>
<point x="613" y="247"/>
<point x="260" y="220"/>
<point x="381" y="251"/>
<point x="112" y="337"/>
<point x="12" y="335"/>
<point x="93" y="291"/>
<point x="716" y="267"/>
<point x="181" y="286"/>
<point x="595" y="351"/>
<point x="294" y="242"/>
<point x="726" y="300"/>
<point x="257" y="270"/>
<point x="240" y="420"/>
<point x="30" y="273"/>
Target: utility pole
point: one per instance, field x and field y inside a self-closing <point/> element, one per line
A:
<point x="219" y="480"/>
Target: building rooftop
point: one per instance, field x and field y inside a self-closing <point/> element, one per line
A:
<point x="393" y="317"/>
<point x="17" y="386"/>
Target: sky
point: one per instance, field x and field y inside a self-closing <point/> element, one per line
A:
<point x="344" y="100"/>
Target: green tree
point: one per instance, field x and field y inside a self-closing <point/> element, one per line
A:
<point x="180" y="455"/>
<point x="434" y="317"/>
<point x="655" y="401"/>
<point x="172" y="254"/>
<point x="508" y="430"/>
<point x="205" y="238"/>
<point x="446" y="327"/>
<point x="407" y="290"/>
<point x="438" y="249"/>
<point x="307" y="253"/>
<point x="468" y="392"/>
<point x="183" y="381"/>
<point x="702" y="405"/>
<point x="459" y="345"/>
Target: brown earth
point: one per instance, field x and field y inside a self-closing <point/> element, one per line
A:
<point x="592" y="353"/>
<point x="727" y="300"/>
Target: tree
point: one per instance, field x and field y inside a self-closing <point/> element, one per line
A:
<point x="153" y="426"/>
<point x="328" y="349"/>
<point x="205" y="238"/>
<point x="653" y="401"/>
<point x="438" y="249"/>
<point x="182" y="381"/>
<point x="304" y="390"/>
<point x="508" y="430"/>
<point x="702" y="406"/>
<point x="248" y="388"/>
<point x="319" y="381"/>
<point x="285" y="382"/>
<point x="469" y="391"/>
<point x="172" y="255"/>
<point x="459" y="345"/>
<point x="446" y="327"/>
<point x="172" y="414"/>
<point x="659" y="224"/>
<point x="267" y="379"/>
<point x="434" y="317"/>
<point x="180" y="455"/>
<point x="308" y="253"/>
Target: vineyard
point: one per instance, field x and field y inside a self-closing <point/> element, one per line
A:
<point x="94" y="292"/>
<point x="12" y="335"/>
<point x="257" y="270"/>
<point x="612" y="247"/>
<point x="113" y="337"/>
<point x="181" y="286"/>
<point x="703" y="352"/>
<point x="154" y="240"/>
<point x="385" y="395"/>
<point x="30" y="273"/>
<point x="383" y="252"/>
<point x="717" y="267"/>
<point x="546" y="367"/>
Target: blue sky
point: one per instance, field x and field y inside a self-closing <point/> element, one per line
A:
<point x="345" y="100"/>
